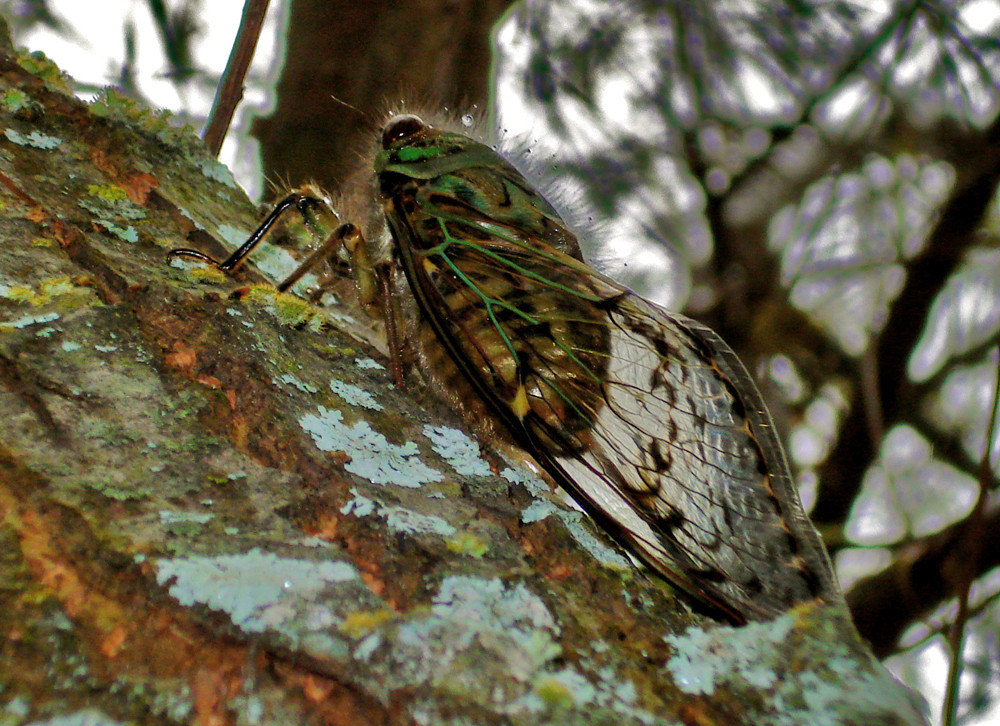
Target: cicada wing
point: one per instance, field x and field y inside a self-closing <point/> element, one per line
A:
<point x="647" y="418"/>
<point x="682" y="459"/>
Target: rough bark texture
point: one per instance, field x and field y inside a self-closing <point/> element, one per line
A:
<point x="215" y="508"/>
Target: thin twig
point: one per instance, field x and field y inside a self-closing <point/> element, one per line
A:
<point x="230" y="90"/>
<point x="967" y="572"/>
<point x="944" y="626"/>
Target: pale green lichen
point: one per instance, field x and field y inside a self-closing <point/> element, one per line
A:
<point x="573" y="520"/>
<point x="216" y="171"/>
<point x="169" y="517"/>
<point x="111" y="489"/>
<point x="29" y="320"/>
<point x="125" y="234"/>
<point x="35" y="139"/>
<point x="86" y="717"/>
<point x="362" y="622"/>
<point x="208" y="275"/>
<point x="61" y="290"/>
<point x="18" y="293"/>
<point x="355" y="395"/>
<point x="705" y="658"/>
<point x="37" y="63"/>
<point x="503" y="627"/>
<point x="15" y="101"/>
<point x="260" y="591"/>
<point x="368" y="364"/>
<point x="535" y="486"/>
<point x="537" y="511"/>
<point x="113" y="104"/>
<point x="367" y="647"/>
<point x="554" y="693"/>
<point x="398" y="519"/>
<point x="823" y="677"/>
<point x="596" y="547"/>
<point x="113" y="199"/>
<point x="110" y="204"/>
<point x="17" y="708"/>
<point x="288" y="310"/>
<point x="458" y="450"/>
<point x="290" y="380"/>
<point x="372" y="456"/>
<point x="235" y="236"/>
<point x="46" y="290"/>
<point x="559" y="691"/>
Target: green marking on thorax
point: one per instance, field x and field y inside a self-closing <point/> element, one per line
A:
<point x="416" y="153"/>
<point x="426" y="162"/>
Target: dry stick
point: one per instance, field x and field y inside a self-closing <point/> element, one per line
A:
<point x="973" y="549"/>
<point x="230" y="90"/>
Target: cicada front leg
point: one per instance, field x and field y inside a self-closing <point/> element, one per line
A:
<point x="314" y="211"/>
<point x="373" y="278"/>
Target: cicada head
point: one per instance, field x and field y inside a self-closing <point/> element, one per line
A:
<point x="440" y="174"/>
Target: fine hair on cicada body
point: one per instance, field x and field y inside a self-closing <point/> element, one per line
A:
<point x="646" y="417"/>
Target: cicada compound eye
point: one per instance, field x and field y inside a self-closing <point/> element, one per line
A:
<point x="401" y="127"/>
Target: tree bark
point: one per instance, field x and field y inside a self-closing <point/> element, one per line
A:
<point x="217" y="509"/>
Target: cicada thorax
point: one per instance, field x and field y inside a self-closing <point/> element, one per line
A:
<point x="504" y="303"/>
<point x="647" y="418"/>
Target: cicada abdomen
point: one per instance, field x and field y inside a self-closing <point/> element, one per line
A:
<point x="645" y="417"/>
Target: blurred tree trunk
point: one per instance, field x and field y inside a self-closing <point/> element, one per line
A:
<point x="348" y="64"/>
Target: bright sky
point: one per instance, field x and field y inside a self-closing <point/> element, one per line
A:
<point x="95" y="56"/>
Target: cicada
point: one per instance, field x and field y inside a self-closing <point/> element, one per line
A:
<point x="644" y="416"/>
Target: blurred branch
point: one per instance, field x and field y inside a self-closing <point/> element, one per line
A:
<point x="971" y="546"/>
<point x="973" y="356"/>
<point x="919" y="579"/>
<point x="176" y="29"/>
<point x="845" y="154"/>
<point x="941" y="626"/>
<point x="975" y="187"/>
<point x="230" y="90"/>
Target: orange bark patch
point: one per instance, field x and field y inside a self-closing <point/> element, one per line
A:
<point x="324" y="526"/>
<point x="316" y="688"/>
<point x="560" y="572"/>
<point x="212" y="690"/>
<point x="138" y="187"/>
<point x="210" y="381"/>
<point x="183" y="357"/>
<point x="112" y="644"/>
<point x="240" y="433"/>
<point x="693" y="713"/>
